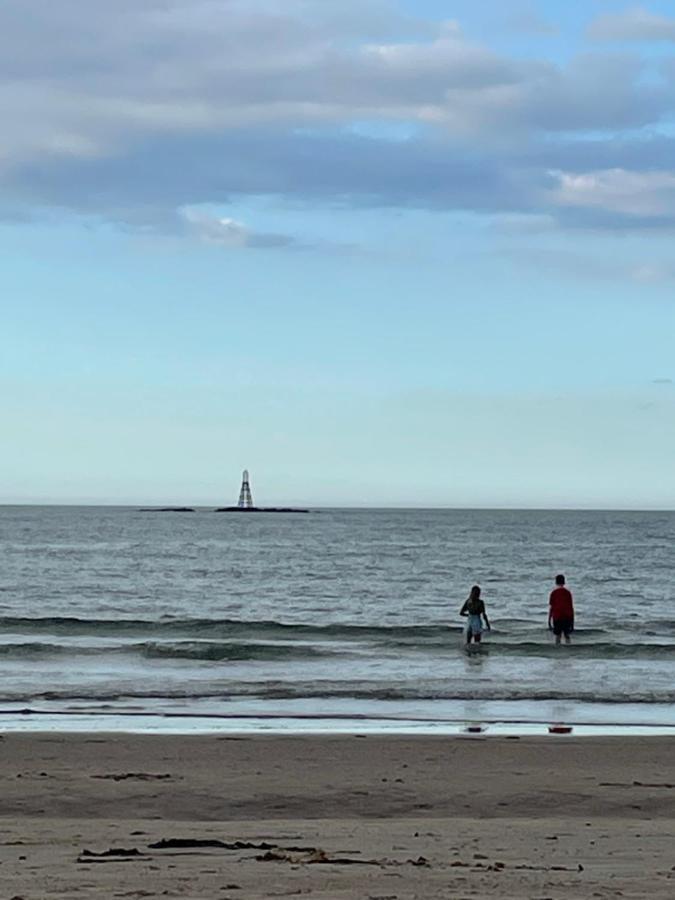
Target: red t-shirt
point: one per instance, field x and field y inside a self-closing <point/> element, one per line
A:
<point x="561" y="604"/>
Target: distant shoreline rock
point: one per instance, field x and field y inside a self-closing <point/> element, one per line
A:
<point x="234" y="509"/>
<point x="167" y="509"/>
<point x="260" y="509"/>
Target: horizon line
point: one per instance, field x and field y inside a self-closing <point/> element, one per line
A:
<point x="346" y="508"/>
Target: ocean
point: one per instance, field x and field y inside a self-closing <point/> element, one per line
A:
<point x="115" y="618"/>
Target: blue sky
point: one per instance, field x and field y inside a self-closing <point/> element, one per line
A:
<point x="380" y="253"/>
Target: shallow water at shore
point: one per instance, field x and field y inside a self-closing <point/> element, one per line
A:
<point x="339" y="613"/>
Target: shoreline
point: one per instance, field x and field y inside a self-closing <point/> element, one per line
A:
<point x="356" y="816"/>
<point x="73" y="722"/>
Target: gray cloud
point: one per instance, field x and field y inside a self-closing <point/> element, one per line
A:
<point x="161" y="175"/>
<point x="135" y="111"/>
<point x="634" y="24"/>
<point x="639" y="194"/>
<point x="229" y="233"/>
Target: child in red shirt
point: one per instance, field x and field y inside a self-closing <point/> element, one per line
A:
<point x="561" y="611"/>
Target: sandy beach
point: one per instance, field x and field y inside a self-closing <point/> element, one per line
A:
<point x="364" y="817"/>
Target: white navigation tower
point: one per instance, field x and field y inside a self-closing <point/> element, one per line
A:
<point x="245" y="498"/>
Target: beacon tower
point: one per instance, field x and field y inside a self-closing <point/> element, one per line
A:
<point x="245" y="498"/>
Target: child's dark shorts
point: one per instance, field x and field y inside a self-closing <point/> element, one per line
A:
<point x="563" y="626"/>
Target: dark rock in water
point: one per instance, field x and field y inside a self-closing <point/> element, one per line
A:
<point x="167" y="509"/>
<point x="114" y="851"/>
<point x="260" y="509"/>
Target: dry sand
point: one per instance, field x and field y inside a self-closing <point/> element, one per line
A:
<point x="390" y="818"/>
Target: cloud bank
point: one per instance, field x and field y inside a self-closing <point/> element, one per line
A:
<point x="136" y="111"/>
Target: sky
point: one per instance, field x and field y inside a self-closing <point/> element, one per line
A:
<point x="378" y="252"/>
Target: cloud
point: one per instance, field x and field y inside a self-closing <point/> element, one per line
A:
<point x="209" y="227"/>
<point x="131" y="112"/>
<point x="229" y="233"/>
<point x="92" y="79"/>
<point x="641" y="194"/>
<point x="636" y="24"/>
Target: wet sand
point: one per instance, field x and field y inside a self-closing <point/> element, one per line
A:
<point x="336" y="817"/>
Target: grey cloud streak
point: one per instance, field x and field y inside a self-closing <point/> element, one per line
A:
<point x="634" y="24"/>
<point x="134" y="111"/>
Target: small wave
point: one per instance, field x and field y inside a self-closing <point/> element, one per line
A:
<point x="33" y="650"/>
<point x="72" y="625"/>
<point x="197" y="650"/>
<point x="233" y="639"/>
<point x="221" y="652"/>
<point x="596" y="650"/>
<point x="242" y="628"/>
<point x="546" y="648"/>
<point x="358" y="691"/>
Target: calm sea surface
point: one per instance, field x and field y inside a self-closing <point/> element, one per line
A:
<point x="334" y="614"/>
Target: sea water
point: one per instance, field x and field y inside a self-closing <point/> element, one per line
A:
<point x="112" y="615"/>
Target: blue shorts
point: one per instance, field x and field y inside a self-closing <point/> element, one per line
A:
<point x="474" y="625"/>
